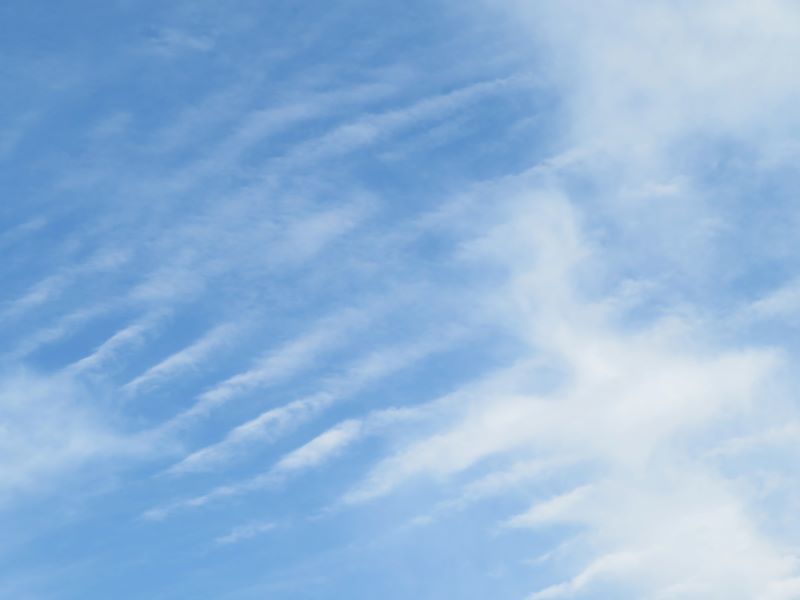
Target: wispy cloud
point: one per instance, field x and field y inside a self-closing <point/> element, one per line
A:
<point x="314" y="453"/>
<point x="130" y="335"/>
<point x="187" y="358"/>
<point x="61" y="328"/>
<point x="321" y="448"/>
<point x="273" y="422"/>
<point x="631" y="403"/>
<point x="561" y="246"/>
<point x="370" y="129"/>
<point x="48" y="435"/>
<point x="169" y="42"/>
<point x="50" y="287"/>
<point x="280" y="363"/>
<point x="245" y="532"/>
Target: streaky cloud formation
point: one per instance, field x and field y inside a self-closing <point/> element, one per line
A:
<point x="402" y="300"/>
<point x="275" y="421"/>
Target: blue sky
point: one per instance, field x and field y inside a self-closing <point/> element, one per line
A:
<point x="403" y="300"/>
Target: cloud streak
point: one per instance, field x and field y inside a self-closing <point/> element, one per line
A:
<point x="277" y="421"/>
<point x="558" y="239"/>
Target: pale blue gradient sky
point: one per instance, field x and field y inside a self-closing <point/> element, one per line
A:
<point x="404" y="300"/>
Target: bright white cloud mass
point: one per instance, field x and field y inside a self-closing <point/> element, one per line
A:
<point x="474" y="300"/>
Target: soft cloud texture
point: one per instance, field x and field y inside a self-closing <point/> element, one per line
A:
<point x="332" y="293"/>
<point x="48" y="434"/>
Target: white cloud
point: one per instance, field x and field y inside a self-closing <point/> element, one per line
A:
<point x="246" y="532"/>
<point x="644" y="85"/>
<point x="48" y="436"/>
<point x="642" y="407"/>
<point x="328" y="444"/>
<point x="686" y="529"/>
<point x="367" y="130"/>
<point x="62" y="327"/>
<point x="276" y="421"/>
<point x="314" y="453"/>
<point x="633" y="406"/>
<point x="604" y="566"/>
<point x="187" y="358"/>
<point x="171" y="42"/>
<point x="321" y="448"/>
<point x="52" y="286"/>
<point x="643" y="73"/>
<point x="240" y="236"/>
<point x="781" y="304"/>
<point x="552" y="510"/>
<point x="130" y="335"/>
<point x="280" y="363"/>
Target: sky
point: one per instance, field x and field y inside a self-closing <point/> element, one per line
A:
<point x="476" y="299"/>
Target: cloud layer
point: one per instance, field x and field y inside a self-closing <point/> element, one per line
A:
<point x="301" y="300"/>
